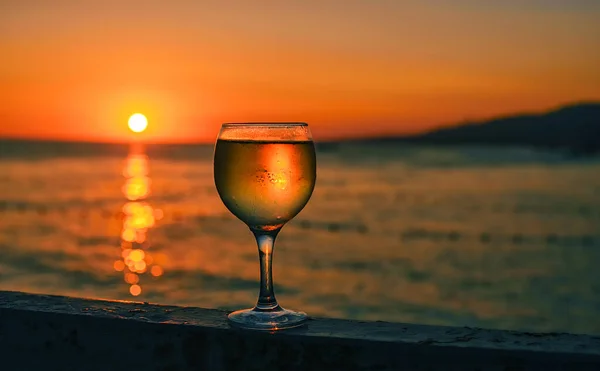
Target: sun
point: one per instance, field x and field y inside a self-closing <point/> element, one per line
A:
<point x="138" y="123"/>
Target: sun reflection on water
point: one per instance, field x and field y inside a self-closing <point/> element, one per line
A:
<point x="138" y="217"/>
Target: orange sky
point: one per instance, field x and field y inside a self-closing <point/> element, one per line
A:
<point x="76" y="70"/>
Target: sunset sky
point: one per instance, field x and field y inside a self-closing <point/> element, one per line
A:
<point x="76" y="70"/>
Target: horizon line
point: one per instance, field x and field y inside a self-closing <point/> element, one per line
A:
<point x="327" y="139"/>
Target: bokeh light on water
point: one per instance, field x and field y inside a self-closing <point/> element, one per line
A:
<point x="138" y="217"/>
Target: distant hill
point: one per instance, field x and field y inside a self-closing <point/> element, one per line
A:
<point x="575" y="128"/>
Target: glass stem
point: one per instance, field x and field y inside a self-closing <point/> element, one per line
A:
<point x="266" y="244"/>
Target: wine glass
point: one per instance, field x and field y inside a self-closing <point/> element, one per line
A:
<point x="265" y="174"/>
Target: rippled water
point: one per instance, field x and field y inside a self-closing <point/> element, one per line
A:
<point x="463" y="236"/>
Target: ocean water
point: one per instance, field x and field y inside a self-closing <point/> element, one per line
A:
<point x="467" y="236"/>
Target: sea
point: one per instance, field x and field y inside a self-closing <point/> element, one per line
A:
<point x="505" y="238"/>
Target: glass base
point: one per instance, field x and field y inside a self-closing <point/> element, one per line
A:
<point x="277" y="319"/>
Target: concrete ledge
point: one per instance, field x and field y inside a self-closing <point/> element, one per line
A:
<point x="39" y="332"/>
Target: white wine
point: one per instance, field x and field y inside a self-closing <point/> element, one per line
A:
<point x="264" y="183"/>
